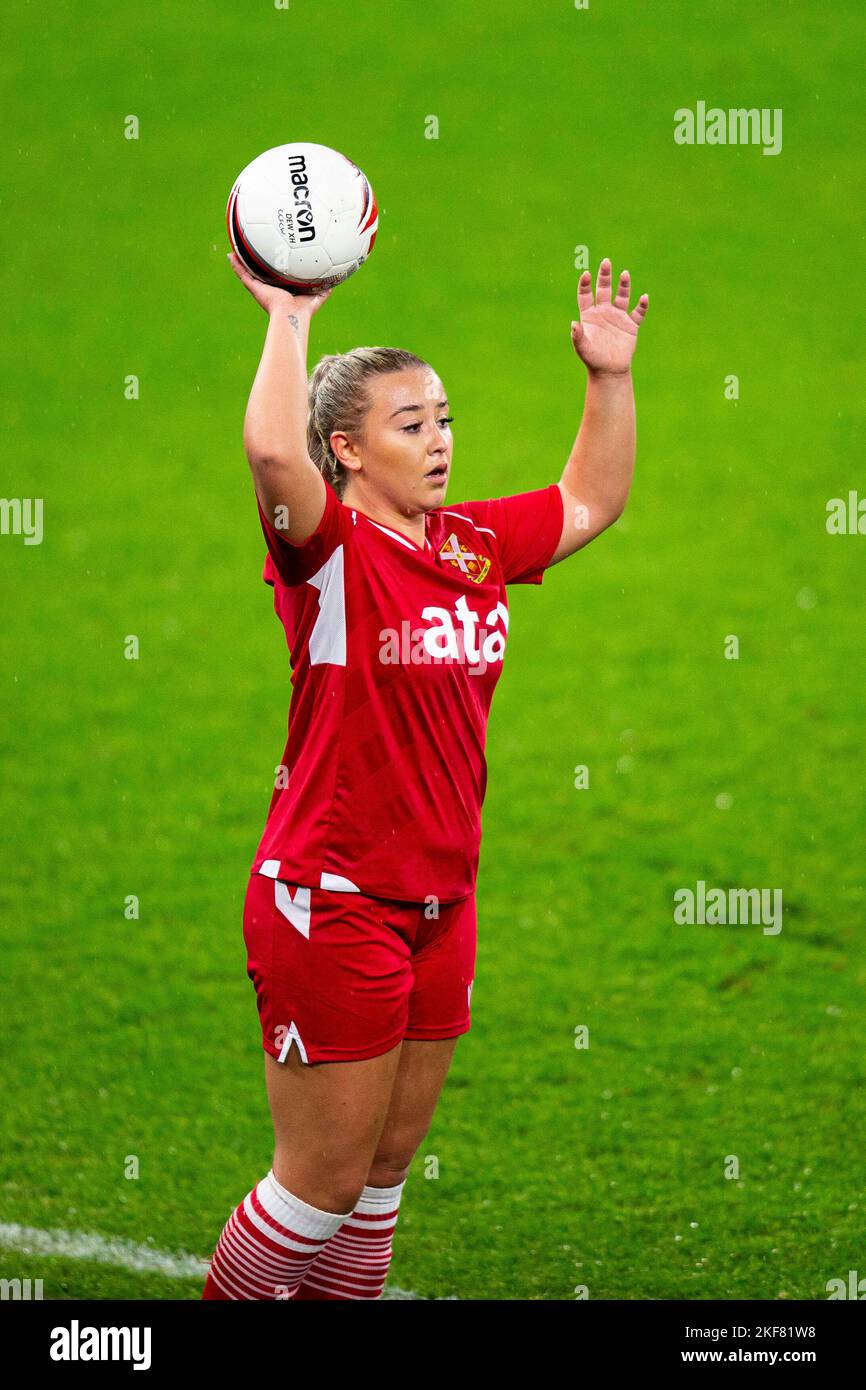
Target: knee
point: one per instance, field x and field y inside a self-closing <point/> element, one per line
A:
<point x="386" y="1177"/>
<point x="336" y="1192"/>
<point x="344" y="1190"/>
<point x="342" y="1195"/>
<point x="389" y="1169"/>
<point x="340" y="1189"/>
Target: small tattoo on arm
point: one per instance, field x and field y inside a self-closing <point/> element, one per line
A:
<point x="294" y="321"/>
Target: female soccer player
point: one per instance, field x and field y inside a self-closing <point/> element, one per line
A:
<point x="359" y="918"/>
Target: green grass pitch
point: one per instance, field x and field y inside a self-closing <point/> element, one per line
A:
<point x="559" y="1167"/>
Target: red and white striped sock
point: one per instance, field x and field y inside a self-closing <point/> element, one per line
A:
<point x="268" y="1244"/>
<point x="354" y="1263"/>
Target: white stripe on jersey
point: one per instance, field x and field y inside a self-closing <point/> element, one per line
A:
<point x="445" y="512"/>
<point x="328" y="638"/>
<point x="338" y="884"/>
<point x="395" y="534"/>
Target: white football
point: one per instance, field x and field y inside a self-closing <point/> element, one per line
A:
<point x="302" y="217"/>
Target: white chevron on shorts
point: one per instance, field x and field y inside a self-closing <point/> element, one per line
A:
<point x="292" y="1036"/>
<point x="296" y="910"/>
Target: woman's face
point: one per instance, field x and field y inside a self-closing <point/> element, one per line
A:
<point x="403" y="456"/>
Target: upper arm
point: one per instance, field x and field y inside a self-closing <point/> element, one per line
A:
<point x="295" y="561"/>
<point x="292" y="496"/>
<point x="581" y="523"/>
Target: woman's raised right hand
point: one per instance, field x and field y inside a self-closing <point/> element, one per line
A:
<point x="271" y="298"/>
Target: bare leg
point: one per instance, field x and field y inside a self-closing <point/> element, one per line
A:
<point x="417" y="1086"/>
<point x="328" y="1118"/>
<point x="354" y="1263"/>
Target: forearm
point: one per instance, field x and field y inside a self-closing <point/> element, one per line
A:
<point x="601" y="463"/>
<point x="275" y="425"/>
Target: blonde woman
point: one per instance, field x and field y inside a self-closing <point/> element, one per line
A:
<point x="359" y="919"/>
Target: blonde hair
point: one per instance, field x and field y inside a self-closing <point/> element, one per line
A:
<point x="338" y="401"/>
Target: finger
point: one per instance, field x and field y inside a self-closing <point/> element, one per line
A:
<point x="247" y="279"/>
<point x="622" y="291"/>
<point x="602" y="284"/>
<point x="576" y="334"/>
<point x="584" y="292"/>
<point x="238" y="266"/>
<point x="640" y="309"/>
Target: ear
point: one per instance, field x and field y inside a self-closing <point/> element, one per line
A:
<point x="344" y="450"/>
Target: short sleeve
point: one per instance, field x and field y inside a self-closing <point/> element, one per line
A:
<point x="294" y="564"/>
<point x="527" y="528"/>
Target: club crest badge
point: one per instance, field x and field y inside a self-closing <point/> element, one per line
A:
<point x="475" y="567"/>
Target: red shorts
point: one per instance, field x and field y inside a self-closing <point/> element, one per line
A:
<point x="343" y="976"/>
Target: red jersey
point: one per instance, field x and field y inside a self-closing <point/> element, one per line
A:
<point x="395" y="650"/>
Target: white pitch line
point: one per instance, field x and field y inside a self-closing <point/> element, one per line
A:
<point x="103" y="1250"/>
<point x="121" y="1254"/>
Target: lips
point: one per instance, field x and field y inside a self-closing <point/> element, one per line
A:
<point x="438" y="475"/>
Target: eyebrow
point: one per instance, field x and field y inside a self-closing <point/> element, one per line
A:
<point x="440" y="404"/>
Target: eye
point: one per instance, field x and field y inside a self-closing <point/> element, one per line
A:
<point x="444" y="420"/>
